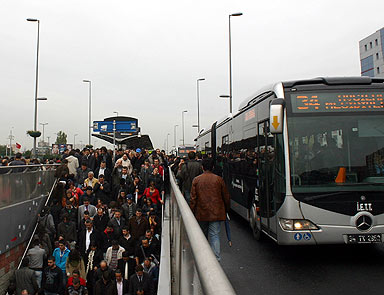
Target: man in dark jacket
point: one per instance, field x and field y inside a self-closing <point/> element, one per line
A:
<point x="70" y="211"/>
<point x="89" y="160"/>
<point x="101" y="270"/>
<point x="118" y="222"/>
<point x="90" y="234"/>
<point x="137" y="225"/>
<point x="121" y="283"/>
<point x="210" y="201"/>
<point x="105" y="285"/>
<point x="62" y="172"/>
<point x="25" y="278"/>
<point x="126" y="265"/>
<point x="102" y="190"/>
<point x="127" y="242"/>
<point x="82" y="174"/>
<point x="52" y="281"/>
<point x="103" y="170"/>
<point x="187" y="172"/>
<point x="140" y="281"/>
<point x="129" y="208"/>
<point x="67" y="229"/>
<point x="106" y="157"/>
<point x="100" y="220"/>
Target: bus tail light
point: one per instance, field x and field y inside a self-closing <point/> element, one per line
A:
<point x="297" y="224"/>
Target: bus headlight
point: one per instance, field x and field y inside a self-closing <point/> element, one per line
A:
<point x="297" y="224"/>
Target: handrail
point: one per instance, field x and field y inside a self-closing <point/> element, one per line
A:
<point x="165" y="286"/>
<point x="212" y="277"/>
<point x="28" y="166"/>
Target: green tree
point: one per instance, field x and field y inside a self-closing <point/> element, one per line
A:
<point x="61" y="138"/>
<point x="2" y="150"/>
<point x="27" y="153"/>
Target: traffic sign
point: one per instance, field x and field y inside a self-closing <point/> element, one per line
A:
<point x="121" y="126"/>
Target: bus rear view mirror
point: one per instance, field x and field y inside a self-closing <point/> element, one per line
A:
<point x="276" y="115"/>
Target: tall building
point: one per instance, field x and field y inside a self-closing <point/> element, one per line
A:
<point x="372" y="54"/>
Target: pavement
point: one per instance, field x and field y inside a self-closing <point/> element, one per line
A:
<point x="264" y="267"/>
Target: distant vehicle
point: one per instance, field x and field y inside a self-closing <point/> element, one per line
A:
<point x="184" y="150"/>
<point x="304" y="160"/>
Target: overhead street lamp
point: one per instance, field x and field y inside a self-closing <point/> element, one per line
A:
<point x="198" y="103"/>
<point x="36" y="81"/>
<point x="230" y="61"/>
<point x="43" y="124"/>
<point x="182" y="124"/>
<point x="90" y="110"/>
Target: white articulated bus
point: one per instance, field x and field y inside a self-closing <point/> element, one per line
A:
<point x="304" y="160"/>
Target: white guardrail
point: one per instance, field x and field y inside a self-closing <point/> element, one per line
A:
<point x="188" y="265"/>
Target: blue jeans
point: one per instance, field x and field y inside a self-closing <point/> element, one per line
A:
<point x="211" y="230"/>
<point x="187" y="196"/>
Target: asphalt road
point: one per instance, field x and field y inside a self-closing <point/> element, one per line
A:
<point x="265" y="268"/>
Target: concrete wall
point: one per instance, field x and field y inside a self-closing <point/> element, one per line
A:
<point x="8" y="263"/>
<point x="17" y="223"/>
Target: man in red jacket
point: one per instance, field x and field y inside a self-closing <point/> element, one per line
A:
<point x="209" y="203"/>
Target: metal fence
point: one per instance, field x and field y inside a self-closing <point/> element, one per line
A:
<point x="22" y="183"/>
<point x="194" y="268"/>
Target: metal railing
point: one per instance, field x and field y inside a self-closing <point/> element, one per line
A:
<point x="21" y="183"/>
<point x="195" y="269"/>
<point x="164" y="287"/>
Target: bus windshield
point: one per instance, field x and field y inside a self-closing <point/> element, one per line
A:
<point x="336" y="152"/>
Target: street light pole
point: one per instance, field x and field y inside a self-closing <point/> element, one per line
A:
<point x="198" y="104"/>
<point x="182" y="124"/>
<point x="230" y="61"/>
<point x="74" y="140"/>
<point x="227" y="96"/>
<point x="36" y="81"/>
<point x="174" y="134"/>
<point x="168" y="134"/>
<point x="114" y="139"/>
<point x="43" y="124"/>
<point x="90" y="110"/>
<point x="11" y="137"/>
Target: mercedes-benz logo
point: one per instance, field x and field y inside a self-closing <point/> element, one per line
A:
<point x="364" y="222"/>
<point x="363" y="198"/>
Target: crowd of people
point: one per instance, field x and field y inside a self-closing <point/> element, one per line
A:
<point x="101" y="232"/>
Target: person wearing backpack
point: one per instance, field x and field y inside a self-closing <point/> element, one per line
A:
<point x="45" y="220"/>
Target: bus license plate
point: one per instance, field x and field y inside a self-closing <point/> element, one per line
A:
<point x="364" y="239"/>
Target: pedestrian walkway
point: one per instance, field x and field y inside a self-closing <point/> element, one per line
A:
<point x="111" y="228"/>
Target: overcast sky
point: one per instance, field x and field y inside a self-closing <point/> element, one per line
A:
<point x="143" y="58"/>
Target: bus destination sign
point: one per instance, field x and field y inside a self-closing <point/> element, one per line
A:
<point x="337" y="102"/>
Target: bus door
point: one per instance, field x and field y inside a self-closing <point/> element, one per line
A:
<point x="266" y="156"/>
